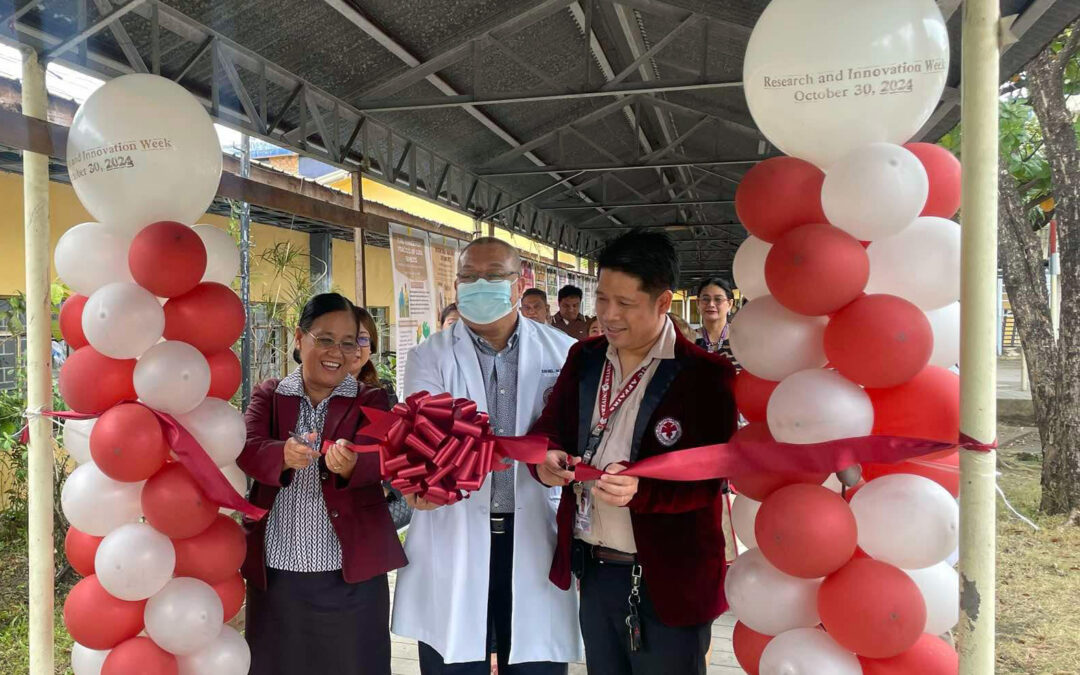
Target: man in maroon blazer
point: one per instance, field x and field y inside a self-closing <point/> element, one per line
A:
<point x="648" y="554"/>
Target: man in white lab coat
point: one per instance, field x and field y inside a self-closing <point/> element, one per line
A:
<point x="478" y="569"/>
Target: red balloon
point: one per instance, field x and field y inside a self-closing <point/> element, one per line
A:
<point x="943" y="170"/>
<point x="214" y="554"/>
<point x="778" y="195"/>
<point x="748" y="645"/>
<point x="168" y="259"/>
<point x="80" y="549"/>
<point x="816" y="269"/>
<point x="806" y="531"/>
<point x="752" y="395"/>
<point x="943" y="471"/>
<point x="140" y="656"/>
<point x="175" y="505"/>
<point x="872" y="608"/>
<point x="210" y="318"/>
<point x="71" y="321"/>
<point x="760" y="484"/>
<point x="901" y="410"/>
<point x="929" y="656"/>
<point x="225" y="374"/>
<point x="231" y="591"/>
<point x="127" y="444"/>
<point x="879" y="341"/>
<point x="96" y="619"/>
<point x="91" y="382"/>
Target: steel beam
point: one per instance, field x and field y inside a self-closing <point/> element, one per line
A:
<point x="106" y="21"/>
<point x="630" y="205"/>
<point x="648" y="54"/>
<point x="120" y="34"/>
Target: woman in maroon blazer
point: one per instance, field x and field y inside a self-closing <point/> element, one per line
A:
<point x="318" y="599"/>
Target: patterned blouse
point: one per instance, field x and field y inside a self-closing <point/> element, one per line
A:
<point x="722" y="345"/>
<point x="299" y="535"/>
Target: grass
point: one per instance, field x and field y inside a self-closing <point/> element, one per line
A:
<point x="15" y="615"/>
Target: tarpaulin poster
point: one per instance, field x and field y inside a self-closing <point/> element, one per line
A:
<point x="444" y="254"/>
<point x="413" y="292"/>
<point x="527" y="279"/>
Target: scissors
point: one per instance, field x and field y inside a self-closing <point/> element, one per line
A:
<point x="300" y="438"/>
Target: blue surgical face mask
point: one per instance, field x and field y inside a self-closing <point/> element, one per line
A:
<point x="483" y="302"/>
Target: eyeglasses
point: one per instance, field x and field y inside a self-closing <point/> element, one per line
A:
<point x="347" y="348"/>
<point x="493" y="278"/>
<point x="708" y="300"/>
<point x="363" y="341"/>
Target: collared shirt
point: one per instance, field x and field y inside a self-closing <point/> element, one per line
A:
<point x="299" y="535"/>
<point x="577" y="329"/>
<point x="610" y="525"/>
<point x="500" y="371"/>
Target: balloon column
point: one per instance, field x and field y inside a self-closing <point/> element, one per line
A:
<point x="152" y="321"/>
<point x="852" y="270"/>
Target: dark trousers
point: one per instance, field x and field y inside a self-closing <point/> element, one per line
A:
<point x="500" y="596"/>
<point x="666" y="650"/>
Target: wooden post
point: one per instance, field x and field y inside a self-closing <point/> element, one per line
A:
<point x="358" y="241"/>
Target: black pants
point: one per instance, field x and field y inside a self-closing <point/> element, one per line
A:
<point x="500" y="596"/>
<point x="666" y="650"/>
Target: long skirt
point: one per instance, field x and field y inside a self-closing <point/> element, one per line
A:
<point x="315" y="622"/>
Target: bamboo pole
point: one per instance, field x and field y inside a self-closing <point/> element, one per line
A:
<point x="248" y="338"/>
<point x="978" y="365"/>
<point x="38" y="375"/>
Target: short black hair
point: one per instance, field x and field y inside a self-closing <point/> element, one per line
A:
<point x="452" y="307"/>
<point x="534" y="291"/>
<point x="716" y="281"/>
<point x="570" y="291"/>
<point x="323" y="303"/>
<point x="646" y="254"/>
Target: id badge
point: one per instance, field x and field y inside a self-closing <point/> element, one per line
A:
<point x="583" y="515"/>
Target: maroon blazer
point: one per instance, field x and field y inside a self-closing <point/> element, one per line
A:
<point x="676" y="524"/>
<point x="357" y="507"/>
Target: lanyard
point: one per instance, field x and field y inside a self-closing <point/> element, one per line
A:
<point x="709" y="343"/>
<point x="609" y="406"/>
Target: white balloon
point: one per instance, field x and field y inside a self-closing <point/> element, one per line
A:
<point x="749" y="267"/>
<point x="807" y="651"/>
<point x="122" y="320"/>
<point x="134" y="561"/>
<point x="218" y="427"/>
<point x="906" y="520"/>
<point x="77" y="439"/>
<point x="818" y="86"/>
<point x="945" y="323"/>
<point x="96" y="504"/>
<point x="228" y="654"/>
<point x="222" y="254"/>
<point x="940" y="588"/>
<point x="142" y="149"/>
<point x="773" y="342"/>
<point x="91" y="255"/>
<point x="86" y="661"/>
<point x="172" y="377"/>
<point x="185" y="616"/>
<point x="818" y="405"/>
<point x="920" y="264"/>
<point x="237" y="479"/>
<point x="875" y="191"/>
<point x="834" y="484"/>
<point x="767" y="600"/>
<point x="743" y="515"/>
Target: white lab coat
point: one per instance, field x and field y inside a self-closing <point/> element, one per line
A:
<point x="441" y="596"/>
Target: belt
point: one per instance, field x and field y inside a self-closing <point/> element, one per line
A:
<point x="609" y="556"/>
<point x="501" y="523"/>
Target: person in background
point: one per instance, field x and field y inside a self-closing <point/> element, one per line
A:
<point x="534" y="305"/>
<point x="684" y="328"/>
<point x="648" y="554"/>
<point x="569" y="318"/>
<point x="361" y="366"/>
<point x="594" y="329"/>
<point x="318" y="596"/>
<point x="449" y="316"/>
<point x="715" y="302"/>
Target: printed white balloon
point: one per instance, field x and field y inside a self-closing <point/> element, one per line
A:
<point x="172" y="377"/>
<point x="122" y="320"/>
<point x="920" y="264"/>
<point x="222" y="254"/>
<point x="749" y="267"/>
<point x="134" y="561"/>
<point x="743" y="514"/>
<point x="945" y="323"/>
<point x="142" y="149"/>
<point x="96" y="504"/>
<point x="185" y="616"/>
<point x="818" y="405"/>
<point x="807" y="651"/>
<point x="875" y="191"/>
<point x="906" y="520"/>
<point x="77" y="439"/>
<point x="228" y="654"/>
<point x="940" y="587"/>
<point x="91" y="255"/>
<point x="767" y="600"/>
<point x="773" y="342"/>
<point x="86" y="661"/>
<point x="818" y="87"/>
<point x="218" y="427"/>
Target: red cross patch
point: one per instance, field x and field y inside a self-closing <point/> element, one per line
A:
<point x="668" y="431"/>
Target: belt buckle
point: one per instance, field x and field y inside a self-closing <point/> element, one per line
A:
<point x="498" y="525"/>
